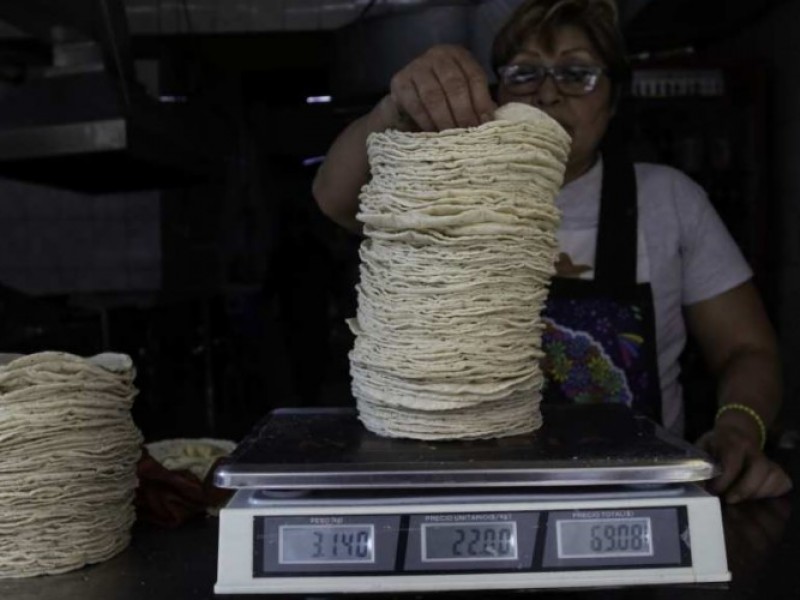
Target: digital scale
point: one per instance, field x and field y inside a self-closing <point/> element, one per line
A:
<point x="598" y="497"/>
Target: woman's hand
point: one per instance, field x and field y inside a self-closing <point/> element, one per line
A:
<point x="441" y="89"/>
<point x="740" y="347"/>
<point x="747" y="473"/>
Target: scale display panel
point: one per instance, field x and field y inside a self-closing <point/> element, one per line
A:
<point x="616" y="538"/>
<point x="324" y="544"/>
<point x="470" y="542"/>
<point x="477" y="541"/>
<point x="604" y="537"/>
<point x="537" y="541"/>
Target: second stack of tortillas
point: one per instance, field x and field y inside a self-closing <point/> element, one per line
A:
<point x="68" y="455"/>
<point x="461" y="242"/>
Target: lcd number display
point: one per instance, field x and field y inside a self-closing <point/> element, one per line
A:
<point x="329" y="544"/>
<point x="591" y="538"/>
<point x="453" y="542"/>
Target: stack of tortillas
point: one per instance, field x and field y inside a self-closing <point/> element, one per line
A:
<point x="68" y="454"/>
<point x="461" y="244"/>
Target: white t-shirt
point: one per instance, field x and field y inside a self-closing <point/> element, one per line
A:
<point x="684" y="251"/>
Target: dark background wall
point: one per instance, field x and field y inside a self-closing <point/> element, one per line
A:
<point x="231" y="294"/>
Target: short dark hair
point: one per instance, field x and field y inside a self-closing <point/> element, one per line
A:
<point x="597" y="18"/>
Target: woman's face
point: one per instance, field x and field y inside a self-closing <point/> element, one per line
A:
<point x="584" y="117"/>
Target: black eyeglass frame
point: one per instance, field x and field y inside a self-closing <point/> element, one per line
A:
<point x="557" y="73"/>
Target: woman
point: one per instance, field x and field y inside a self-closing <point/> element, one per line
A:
<point x="643" y="254"/>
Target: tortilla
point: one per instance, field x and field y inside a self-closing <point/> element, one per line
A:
<point x="68" y="456"/>
<point x="460" y="247"/>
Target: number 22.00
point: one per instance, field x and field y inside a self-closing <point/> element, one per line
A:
<point x="489" y="542"/>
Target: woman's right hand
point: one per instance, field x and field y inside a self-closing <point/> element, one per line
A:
<point x="441" y="89"/>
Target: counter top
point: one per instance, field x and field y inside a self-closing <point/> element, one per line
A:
<point x="763" y="542"/>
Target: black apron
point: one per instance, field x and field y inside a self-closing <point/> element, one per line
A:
<point x="599" y="338"/>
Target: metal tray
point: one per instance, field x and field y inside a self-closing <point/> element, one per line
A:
<point x="578" y="445"/>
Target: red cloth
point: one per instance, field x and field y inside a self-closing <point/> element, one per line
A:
<point x="170" y="498"/>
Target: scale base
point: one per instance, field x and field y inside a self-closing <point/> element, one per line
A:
<point x="697" y="556"/>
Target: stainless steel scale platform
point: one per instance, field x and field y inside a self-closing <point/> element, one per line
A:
<point x="599" y="497"/>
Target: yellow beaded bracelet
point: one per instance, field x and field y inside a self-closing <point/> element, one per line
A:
<point x="746" y="409"/>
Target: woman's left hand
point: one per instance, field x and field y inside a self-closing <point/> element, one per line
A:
<point x="741" y="349"/>
<point x="747" y="473"/>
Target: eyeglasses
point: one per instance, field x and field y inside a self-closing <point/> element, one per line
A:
<point x="573" y="80"/>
